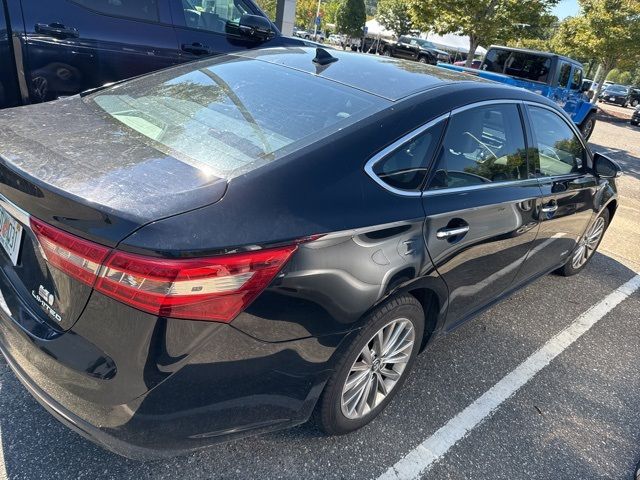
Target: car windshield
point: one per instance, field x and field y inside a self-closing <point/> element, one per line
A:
<point x="617" y="89"/>
<point x="529" y="66"/>
<point x="231" y="115"/>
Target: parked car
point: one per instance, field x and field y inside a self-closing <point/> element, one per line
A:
<point x="553" y="76"/>
<point x="617" y="94"/>
<point x="58" y="48"/>
<point x="634" y="97"/>
<point x="474" y="63"/>
<point x="413" y="48"/>
<point x="635" y="117"/>
<point x="194" y="261"/>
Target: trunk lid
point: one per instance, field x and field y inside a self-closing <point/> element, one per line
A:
<point x="79" y="172"/>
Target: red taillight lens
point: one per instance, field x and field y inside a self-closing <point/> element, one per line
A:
<point x="75" y="256"/>
<point x="214" y="288"/>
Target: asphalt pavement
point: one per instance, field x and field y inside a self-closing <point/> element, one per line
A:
<point x="574" y="418"/>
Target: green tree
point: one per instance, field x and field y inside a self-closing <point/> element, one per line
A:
<point x="607" y="31"/>
<point x="329" y="10"/>
<point x="394" y="15"/>
<point x="483" y="21"/>
<point x="613" y="76"/>
<point x="269" y="7"/>
<point x="306" y="13"/>
<point x="351" y="17"/>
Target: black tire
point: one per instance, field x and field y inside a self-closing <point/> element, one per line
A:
<point x="328" y="414"/>
<point x="588" y="125"/>
<point x="423" y="59"/>
<point x="386" y="52"/>
<point x="634" y="103"/>
<point x="568" y="269"/>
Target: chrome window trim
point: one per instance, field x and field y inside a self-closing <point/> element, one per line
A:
<point x="484" y="103"/>
<point x="15" y="211"/>
<point x="481" y="186"/>
<point x="385" y="152"/>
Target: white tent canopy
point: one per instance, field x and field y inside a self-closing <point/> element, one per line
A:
<point x="375" y="29"/>
<point x="451" y="41"/>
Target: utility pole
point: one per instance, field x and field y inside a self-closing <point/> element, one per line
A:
<point x="315" y="23"/>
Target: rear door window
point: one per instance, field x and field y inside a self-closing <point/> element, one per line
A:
<point x="558" y="150"/>
<point x="564" y="75"/>
<point x="213" y="15"/>
<point x="138" y="9"/>
<point x="482" y="145"/>
<point x="406" y="167"/>
<point x="518" y="64"/>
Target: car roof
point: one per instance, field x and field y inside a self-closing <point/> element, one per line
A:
<point x="385" y="77"/>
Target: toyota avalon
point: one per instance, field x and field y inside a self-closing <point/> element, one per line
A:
<point x="227" y="247"/>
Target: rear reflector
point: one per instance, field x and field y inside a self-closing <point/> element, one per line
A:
<point x="211" y="288"/>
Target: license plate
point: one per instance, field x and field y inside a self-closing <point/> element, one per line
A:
<point x="612" y="99"/>
<point x="10" y="235"/>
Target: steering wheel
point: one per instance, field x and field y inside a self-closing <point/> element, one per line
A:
<point x="483" y="146"/>
<point x="549" y="152"/>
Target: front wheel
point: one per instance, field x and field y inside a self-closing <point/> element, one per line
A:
<point x="635" y="103"/>
<point x="587" y="125"/>
<point x="587" y="246"/>
<point x="423" y="59"/>
<point x="373" y="368"/>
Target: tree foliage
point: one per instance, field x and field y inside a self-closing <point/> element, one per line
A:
<point x="483" y="21"/>
<point x="269" y="7"/>
<point x="607" y="31"/>
<point x="351" y="17"/>
<point x="394" y="15"/>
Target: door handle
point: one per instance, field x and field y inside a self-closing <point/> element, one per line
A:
<point x="196" y="48"/>
<point x="451" y="232"/>
<point x="57" y="30"/>
<point x="550" y="208"/>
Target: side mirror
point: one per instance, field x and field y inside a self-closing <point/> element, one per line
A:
<point x="604" y="167"/>
<point x="256" y="27"/>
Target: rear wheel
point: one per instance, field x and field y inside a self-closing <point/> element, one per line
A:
<point x="386" y="52"/>
<point x="587" y="246"/>
<point x="587" y="125"/>
<point x="374" y="367"/>
<point x="634" y="103"/>
<point x="423" y="59"/>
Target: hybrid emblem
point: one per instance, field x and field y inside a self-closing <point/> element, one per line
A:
<point x="46" y="299"/>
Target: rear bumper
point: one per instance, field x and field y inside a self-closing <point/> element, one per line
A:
<point x="203" y="383"/>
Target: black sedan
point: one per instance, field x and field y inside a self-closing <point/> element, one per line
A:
<point x="617" y="94"/>
<point x="225" y="247"/>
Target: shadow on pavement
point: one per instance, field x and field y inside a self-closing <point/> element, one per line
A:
<point x="451" y="373"/>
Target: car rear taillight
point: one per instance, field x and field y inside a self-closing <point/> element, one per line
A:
<point x="212" y="288"/>
<point x="78" y="258"/>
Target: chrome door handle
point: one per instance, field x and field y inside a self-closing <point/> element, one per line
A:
<point x="451" y="232"/>
<point x="550" y="208"/>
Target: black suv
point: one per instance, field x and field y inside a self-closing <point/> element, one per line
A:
<point x="634" y="97"/>
<point x="417" y="49"/>
<point x="62" y="47"/>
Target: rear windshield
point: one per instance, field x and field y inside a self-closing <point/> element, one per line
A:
<point x="617" y="89"/>
<point x="232" y="115"/>
<point x="529" y="66"/>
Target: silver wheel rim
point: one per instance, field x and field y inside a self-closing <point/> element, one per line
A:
<point x="588" y="243"/>
<point x="378" y="368"/>
<point x="588" y="128"/>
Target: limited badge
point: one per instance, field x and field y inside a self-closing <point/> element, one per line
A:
<point x="46" y="300"/>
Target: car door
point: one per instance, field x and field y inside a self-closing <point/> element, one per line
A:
<point x="480" y="206"/>
<point x="402" y="48"/>
<point x="208" y="27"/>
<point x="74" y="45"/>
<point x="563" y="167"/>
<point x="9" y="91"/>
<point x="560" y="93"/>
<point x="575" y="97"/>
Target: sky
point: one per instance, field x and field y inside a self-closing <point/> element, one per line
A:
<point x="566" y="8"/>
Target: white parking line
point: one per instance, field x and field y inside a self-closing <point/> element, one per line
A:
<point x="421" y="458"/>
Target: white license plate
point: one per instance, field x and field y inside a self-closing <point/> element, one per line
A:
<point x="10" y="235"/>
<point x="612" y="99"/>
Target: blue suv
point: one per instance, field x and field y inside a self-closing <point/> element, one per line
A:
<point x="554" y="76"/>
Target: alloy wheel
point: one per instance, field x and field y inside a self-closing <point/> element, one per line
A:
<point x="378" y="368"/>
<point x="588" y="243"/>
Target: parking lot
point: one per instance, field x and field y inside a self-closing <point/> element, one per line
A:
<point x="573" y="414"/>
